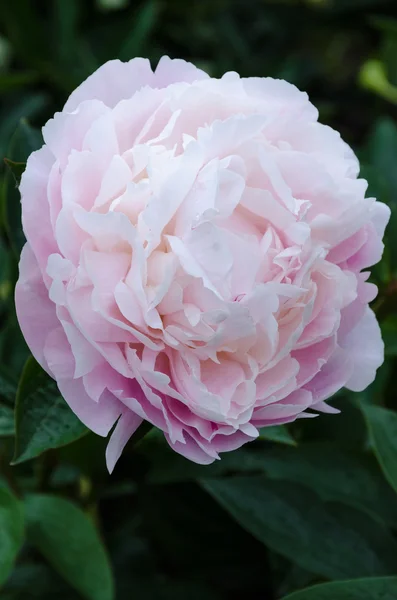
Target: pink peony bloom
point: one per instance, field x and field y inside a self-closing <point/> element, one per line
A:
<point x="194" y="257"/>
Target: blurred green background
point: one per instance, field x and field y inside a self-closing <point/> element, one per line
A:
<point x="311" y="503"/>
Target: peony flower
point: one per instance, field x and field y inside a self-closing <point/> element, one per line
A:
<point x="194" y="257"/>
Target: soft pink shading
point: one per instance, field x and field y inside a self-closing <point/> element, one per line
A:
<point x="194" y="257"/>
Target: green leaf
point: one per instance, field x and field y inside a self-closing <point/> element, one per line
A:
<point x="32" y="41"/>
<point x="373" y="76"/>
<point x="27" y="138"/>
<point x="13" y="349"/>
<point x="179" y="520"/>
<point x="66" y="18"/>
<point x="335" y="475"/>
<point x="385" y="24"/>
<point x="382" y="424"/>
<point x="37" y="581"/>
<point x="167" y="466"/>
<point x="389" y="49"/>
<point x="24" y="141"/>
<point x="11" y="532"/>
<point x="16" y="168"/>
<point x="22" y="24"/>
<point x="43" y="419"/>
<point x="140" y="33"/>
<point x="73" y="55"/>
<point x="382" y="154"/>
<point x="341" y="6"/>
<point x="10" y="81"/>
<point x="7" y="427"/>
<point x="346" y="431"/>
<point x="69" y="541"/>
<point x="8" y="385"/>
<point x="6" y="272"/>
<point x="112" y="4"/>
<point x="389" y="335"/>
<point x="332" y="540"/>
<point x="25" y="108"/>
<point x="377" y="588"/>
<point x="377" y="186"/>
<point x="277" y="433"/>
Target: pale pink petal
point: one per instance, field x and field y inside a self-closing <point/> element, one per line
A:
<point x="33" y="188"/>
<point x="112" y="82"/>
<point x="36" y="312"/>
<point x="126" y="426"/>
<point x="332" y="376"/>
<point x="98" y="416"/>
<point x="191" y="450"/>
<point x="366" y="350"/>
<point x="174" y="70"/>
<point x="66" y="131"/>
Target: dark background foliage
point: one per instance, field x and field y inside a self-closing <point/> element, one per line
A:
<point x="311" y="504"/>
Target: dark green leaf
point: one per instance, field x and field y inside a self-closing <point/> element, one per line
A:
<point x="179" y="520"/>
<point x="347" y="430"/>
<point x="8" y="385"/>
<point x="112" y="4"/>
<point x="26" y="108"/>
<point x="23" y="28"/>
<point x="389" y="51"/>
<point x="377" y="588"/>
<point x="382" y="425"/>
<point x="69" y="541"/>
<point x="5" y="274"/>
<point x="24" y="141"/>
<point x="74" y="55"/>
<point x="139" y="34"/>
<point x="389" y="335"/>
<point x="7" y="426"/>
<point x="13" y="349"/>
<point x="43" y="419"/>
<point x="277" y="433"/>
<point x="335" y="475"/>
<point x="10" y="81"/>
<point x="341" y="6"/>
<point x="377" y="186"/>
<point x="11" y="532"/>
<point x="332" y="540"/>
<point x="86" y="455"/>
<point x="382" y="149"/>
<point x="386" y="24"/>
<point x="37" y="581"/>
<point x="16" y="168"/>
<point x="167" y="466"/>
<point x="31" y="41"/>
<point x="382" y="153"/>
<point x="66" y="16"/>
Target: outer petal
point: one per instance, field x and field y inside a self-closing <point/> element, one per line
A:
<point x="112" y="82"/>
<point x="191" y="450"/>
<point x="174" y="70"/>
<point x="332" y="376"/>
<point x="35" y="207"/>
<point x="126" y="426"/>
<point x="66" y="131"/>
<point x="366" y="350"/>
<point x="98" y="416"/>
<point x="36" y="312"/>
